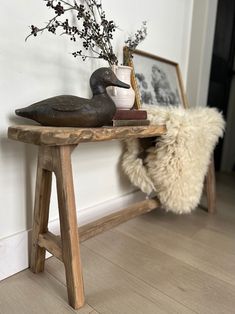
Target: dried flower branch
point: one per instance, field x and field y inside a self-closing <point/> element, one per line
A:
<point x="92" y="27"/>
<point x="134" y="40"/>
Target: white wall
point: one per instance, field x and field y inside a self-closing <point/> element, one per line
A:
<point x="43" y="67"/>
<point x="202" y="37"/>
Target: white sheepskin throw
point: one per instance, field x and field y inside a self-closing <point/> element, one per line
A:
<point x="176" y="166"/>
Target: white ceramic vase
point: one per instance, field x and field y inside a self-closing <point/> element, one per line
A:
<point x="122" y="97"/>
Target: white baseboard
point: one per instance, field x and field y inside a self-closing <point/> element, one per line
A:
<point x="14" y="254"/>
<point x="14" y="250"/>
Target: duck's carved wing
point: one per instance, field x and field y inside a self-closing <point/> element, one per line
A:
<point x="67" y="103"/>
<point x="67" y="107"/>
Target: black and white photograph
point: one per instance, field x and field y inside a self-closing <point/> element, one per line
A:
<point x="157" y="80"/>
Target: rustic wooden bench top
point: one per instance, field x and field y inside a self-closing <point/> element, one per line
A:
<point x="56" y="136"/>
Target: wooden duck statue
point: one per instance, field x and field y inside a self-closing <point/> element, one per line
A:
<point x="73" y="111"/>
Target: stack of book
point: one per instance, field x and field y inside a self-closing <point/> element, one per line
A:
<point x="132" y="117"/>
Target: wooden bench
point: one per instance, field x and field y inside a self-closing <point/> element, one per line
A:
<point x="55" y="148"/>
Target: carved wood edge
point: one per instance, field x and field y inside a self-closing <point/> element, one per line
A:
<point x="52" y="136"/>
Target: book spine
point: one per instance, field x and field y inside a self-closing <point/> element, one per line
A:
<point x="130" y="115"/>
<point x="130" y="122"/>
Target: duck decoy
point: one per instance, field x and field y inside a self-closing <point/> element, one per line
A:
<point x="73" y="111"/>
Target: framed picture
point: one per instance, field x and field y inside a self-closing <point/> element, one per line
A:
<point x="156" y="81"/>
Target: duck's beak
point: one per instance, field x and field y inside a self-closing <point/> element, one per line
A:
<point x="23" y="112"/>
<point x="20" y="112"/>
<point x="119" y="83"/>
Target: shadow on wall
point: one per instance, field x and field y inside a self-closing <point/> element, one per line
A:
<point x="48" y="73"/>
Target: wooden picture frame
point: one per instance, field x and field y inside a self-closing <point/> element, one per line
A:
<point x="156" y="81"/>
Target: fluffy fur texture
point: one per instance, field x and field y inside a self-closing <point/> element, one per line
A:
<point x="176" y="166"/>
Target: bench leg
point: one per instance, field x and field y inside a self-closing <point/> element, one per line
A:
<point x="211" y="188"/>
<point x="41" y="213"/>
<point x="57" y="160"/>
<point x="68" y="225"/>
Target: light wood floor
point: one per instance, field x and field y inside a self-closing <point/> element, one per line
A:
<point x="157" y="263"/>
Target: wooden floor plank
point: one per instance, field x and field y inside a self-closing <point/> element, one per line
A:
<point x="110" y="289"/>
<point x="195" y="289"/>
<point x="190" y="251"/>
<point x="27" y="293"/>
<point x="190" y="224"/>
<point x="217" y="240"/>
